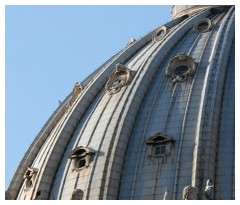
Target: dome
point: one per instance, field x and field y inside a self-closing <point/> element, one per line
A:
<point x="183" y="10"/>
<point x="156" y="121"/>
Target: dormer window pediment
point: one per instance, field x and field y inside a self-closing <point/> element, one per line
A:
<point x="159" y="138"/>
<point x="159" y="145"/>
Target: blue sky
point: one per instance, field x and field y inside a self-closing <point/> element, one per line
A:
<point x="48" y="49"/>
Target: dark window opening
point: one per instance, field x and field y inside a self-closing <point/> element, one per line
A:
<point x="160" y="150"/>
<point x="29" y="177"/>
<point x="160" y="145"/>
<point x="80" y="157"/>
<point x="203" y="26"/>
<point x="119" y="81"/>
<point x="180" y="70"/>
<point x="80" y="152"/>
<point x="81" y="163"/>
<point x="160" y="33"/>
<point x="38" y="193"/>
<point x="77" y="194"/>
<point x="28" y="183"/>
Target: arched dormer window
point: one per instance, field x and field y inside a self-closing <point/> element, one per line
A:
<point x="120" y="77"/>
<point x="81" y="157"/>
<point x="77" y="194"/>
<point x="159" y="145"/>
<point x="29" y="177"/>
<point x="180" y="67"/>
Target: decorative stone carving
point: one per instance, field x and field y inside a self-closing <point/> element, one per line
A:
<point x="208" y="189"/>
<point x="203" y="25"/>
<point x="130" y="42"/>
<point x="120" y="77"/>
<point x="29" y="177"/>
<point x="77" y="194"/>
<point x="160" y="33"/>
<point x="81" y="157"/>
<point x="189" y="193"/>
<point x="77" y="89"/>
<point x="180" y="67"/>
<point x="165" y="196"/>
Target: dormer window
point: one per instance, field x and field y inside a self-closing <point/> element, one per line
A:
<point x="203" y="25"/>
<point x="160" y="150"/>
<point x="29" y="177"/>
<point x="81" y="157"/>
<point x="160" y="33"/>
<point x="77" y="194"/>
<point x="159" y="145"/>
<point x="119" y="78"/>
<point x="180" y="67"/>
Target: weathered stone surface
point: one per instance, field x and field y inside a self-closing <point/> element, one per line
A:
<point x="153" y="132"/>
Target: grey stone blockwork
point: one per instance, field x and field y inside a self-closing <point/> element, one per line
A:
<point x="145" y="125"/>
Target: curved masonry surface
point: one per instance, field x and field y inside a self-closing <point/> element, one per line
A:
<point x="197" y="114"/>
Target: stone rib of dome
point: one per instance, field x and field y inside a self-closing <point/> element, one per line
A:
<point x="158" y="127"/>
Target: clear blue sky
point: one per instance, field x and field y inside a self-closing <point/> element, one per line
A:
<point x="48" y="49"/>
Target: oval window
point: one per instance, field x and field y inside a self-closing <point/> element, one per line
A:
<point x="180" y="67"/>
<point x="119" y="81"/>
<point x="81" y="164"/>
<point x="181" y="70"/>
<point x="120" y="77"/>
<point x="160" y="33"/>
<point x="203" y="25"/>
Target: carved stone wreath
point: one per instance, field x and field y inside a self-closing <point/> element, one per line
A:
<point x="160" y="33"/>
<point x="180" y="67"/>
<point x="119" y="78"/>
